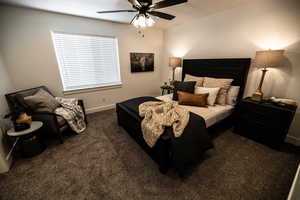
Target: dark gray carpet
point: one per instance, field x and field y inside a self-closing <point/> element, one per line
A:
<point x="105" y="163"/>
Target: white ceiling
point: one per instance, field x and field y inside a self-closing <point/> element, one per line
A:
<point x="194" y="9"/>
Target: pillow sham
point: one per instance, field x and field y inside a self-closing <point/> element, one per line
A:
<point x="199" y="80"/>
<point x="188" y="86"/>
<point x="189" y="99"/>
<point x="213" y="93"/>
<point x="224" y="85"/>
<point x="232" y="95"/>
<point x="42" y="101"/>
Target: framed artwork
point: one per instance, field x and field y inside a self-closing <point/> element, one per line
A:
<point x="142" y="62"/>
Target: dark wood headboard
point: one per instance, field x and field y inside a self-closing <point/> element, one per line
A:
<point x="235" y="68"/>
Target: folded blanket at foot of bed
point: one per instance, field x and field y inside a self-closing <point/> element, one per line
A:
<point x="158" y="115"/>
<point x="189" y="147"/>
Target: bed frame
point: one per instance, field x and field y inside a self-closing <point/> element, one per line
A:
<point x="236" y="68"/>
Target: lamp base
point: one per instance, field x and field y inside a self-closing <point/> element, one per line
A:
<point x="171" y="82"/>
<point x="257" y="96"/>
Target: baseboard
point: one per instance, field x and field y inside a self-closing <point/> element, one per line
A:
<point x="293" y="140"/>
<point x="100" y="108"/>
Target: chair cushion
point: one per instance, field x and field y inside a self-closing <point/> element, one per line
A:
<point x="42" y="101"/>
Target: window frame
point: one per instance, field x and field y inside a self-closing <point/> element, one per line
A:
<point x="88" y="89"/>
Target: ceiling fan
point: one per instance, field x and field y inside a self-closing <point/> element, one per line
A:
<point x="145" y="8"/>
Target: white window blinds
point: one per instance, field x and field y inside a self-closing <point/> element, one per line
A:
<point x="87" y="61"/>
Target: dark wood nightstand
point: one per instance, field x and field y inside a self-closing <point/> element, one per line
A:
<point x="264" y="122"/>
<point x="167" y="88"/>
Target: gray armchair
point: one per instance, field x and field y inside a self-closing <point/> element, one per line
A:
<point x="53" y="123"/>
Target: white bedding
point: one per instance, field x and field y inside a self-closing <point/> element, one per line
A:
<point x="211" y="114"/>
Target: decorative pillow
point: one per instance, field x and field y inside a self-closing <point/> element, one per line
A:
<point x="222" y="83"/>
<point x="232" y="95"/>
<point x="213" y="93"/>
<point x="42" y="101"/>
<point x="199" y="80"/>
<point x="188" y="86"/>
<point x="21" y="102"/>
<point x="189" y="99"/>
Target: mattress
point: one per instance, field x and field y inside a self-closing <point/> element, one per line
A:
<point x="211" y="114"/>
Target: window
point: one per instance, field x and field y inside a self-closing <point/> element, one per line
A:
<point x="87" y="61"/>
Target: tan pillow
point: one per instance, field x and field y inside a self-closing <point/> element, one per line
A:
<point x="199" y="80"/>
<point x="189" y="99"/>
<point x="232" y="95"/>
<point x="42" y="101"/>
<point x="213" y="93"/>
<point x="224" y="85"/>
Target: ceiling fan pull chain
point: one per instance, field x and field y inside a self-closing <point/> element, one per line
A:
<point x="140" y="32"/>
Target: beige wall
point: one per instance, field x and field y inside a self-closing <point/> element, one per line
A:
<point x="28" y="50"/>
<point x="5" y="87"/>
<point x="241" y="31"/>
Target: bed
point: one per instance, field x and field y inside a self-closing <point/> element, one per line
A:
<point x="211" y="114"/>
<point x="163" y="152"/>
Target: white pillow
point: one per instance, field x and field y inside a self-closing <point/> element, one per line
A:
<point x="232" y="95"/>
<point x="213" y="93"/>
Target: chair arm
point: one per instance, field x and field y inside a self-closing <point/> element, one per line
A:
<point x="49" y="120"/>
<point x="45" y="113"/>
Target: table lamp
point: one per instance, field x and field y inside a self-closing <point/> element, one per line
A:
<point x="174" y="62"/>
<point x="264" y="60"/>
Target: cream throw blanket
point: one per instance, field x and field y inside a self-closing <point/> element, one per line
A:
<point x="158" y="115"/>
<point x="72" y="113"/>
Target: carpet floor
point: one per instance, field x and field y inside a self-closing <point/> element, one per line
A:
<point x="105" y="163"/>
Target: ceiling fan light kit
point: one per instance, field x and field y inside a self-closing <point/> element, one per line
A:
<point x="142" y="21"/>
<point x="145" y="8"/>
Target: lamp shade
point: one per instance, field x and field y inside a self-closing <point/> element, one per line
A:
<point x="175" y="62"/>
<point x="269" y="58"/>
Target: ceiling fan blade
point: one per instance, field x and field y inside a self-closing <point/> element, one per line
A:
<point x="135" y="3"/>
<point x="116" y="11"/>
<point x="133" y="19"/>
<point x="162" y="15"/>
<point x="167" y="3"/>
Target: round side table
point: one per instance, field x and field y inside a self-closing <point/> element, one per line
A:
<point x="29" y="140"/>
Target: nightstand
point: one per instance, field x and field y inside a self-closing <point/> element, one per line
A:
<point x="264" y="122"/>
<point x="167" y="88"/>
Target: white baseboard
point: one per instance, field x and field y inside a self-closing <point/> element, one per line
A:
<point x="293" y="140"/>
<point x="100" y="108"/>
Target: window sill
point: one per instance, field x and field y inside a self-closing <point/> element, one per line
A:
<point x="89" y="90"/>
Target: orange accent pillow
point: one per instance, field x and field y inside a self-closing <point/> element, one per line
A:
<point x="189" y="99"/>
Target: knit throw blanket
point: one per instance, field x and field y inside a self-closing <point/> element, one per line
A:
<point x="72" y="113"/>
<point x="158" y="115"/>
